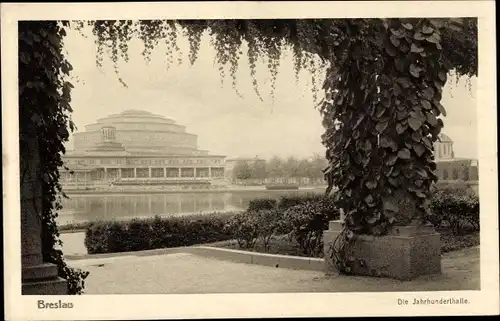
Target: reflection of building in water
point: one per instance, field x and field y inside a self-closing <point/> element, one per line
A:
<point x="138" y="147"/>
<point x="451" y="168"/>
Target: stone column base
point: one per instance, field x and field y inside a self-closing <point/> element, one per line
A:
<point x="42" y="279"/>
<point x="406" y="254"/>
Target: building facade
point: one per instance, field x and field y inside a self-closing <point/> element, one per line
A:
<point x="139" y="148"/>
<point x="452" y="170"/>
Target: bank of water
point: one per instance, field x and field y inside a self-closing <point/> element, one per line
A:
<point x="85" y="208"/>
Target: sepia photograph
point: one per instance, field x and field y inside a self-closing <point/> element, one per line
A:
<point x="250" y="154"/>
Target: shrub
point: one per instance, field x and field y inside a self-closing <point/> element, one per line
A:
<point x="289" y="201"/>
<point x="244" y="228"/>
<point x="306" y="222"/>
<point x="457" y="212"/>
<point x="144" y="234"/>
<point x="262" y="204"/>
<point x="268" y="222"/>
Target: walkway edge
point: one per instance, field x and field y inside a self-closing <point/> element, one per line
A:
<point x="238" y="256"/>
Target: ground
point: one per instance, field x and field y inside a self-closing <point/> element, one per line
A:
<point x="182" y="273"/>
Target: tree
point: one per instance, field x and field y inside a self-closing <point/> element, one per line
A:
<point x="259" y="169"/>
<point x="380" y="104"/>
<point x="275" y="167"/>
<point x="242" y="170"/>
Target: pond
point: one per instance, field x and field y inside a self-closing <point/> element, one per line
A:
<point x="81" y="208"/>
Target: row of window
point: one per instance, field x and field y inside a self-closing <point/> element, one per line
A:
<point x="143" y="161"/>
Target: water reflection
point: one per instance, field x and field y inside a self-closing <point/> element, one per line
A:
<point x="103" y="207"/>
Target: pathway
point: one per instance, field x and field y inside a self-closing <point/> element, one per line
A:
<point x="182" y="273"/>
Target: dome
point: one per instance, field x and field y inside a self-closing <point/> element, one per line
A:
<point x="139" y="132"/>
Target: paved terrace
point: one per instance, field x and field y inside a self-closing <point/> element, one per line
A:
<point x="185" y="273"/>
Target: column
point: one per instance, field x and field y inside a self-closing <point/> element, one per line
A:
<point x="164" y="172"/>
<point x="135" y="172"/>
<point x="105" y="173"/>
<point x="194" y="172"/>
<point x="119" y="173"/>
<point x="38" y="277"/>
<point x="180" y="172"/>
<point x="149" y="172"/>
<point x="210" y="172"/>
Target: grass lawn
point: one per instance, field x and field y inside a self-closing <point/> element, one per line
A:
<point x="282" y="245"/>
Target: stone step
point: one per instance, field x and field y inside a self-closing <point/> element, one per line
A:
<point x="57" y="286"/>
<point x="42" y="271"/>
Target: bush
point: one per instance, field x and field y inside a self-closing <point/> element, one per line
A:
<point x="456" y="212"/>
<point x="145" y="234"/>
<point x="262" y="204"/>
<point x="289" y="201"/>
<point x="268" y="222"/>
<point x="306" y="222"/>
<point x="244" y="228"/>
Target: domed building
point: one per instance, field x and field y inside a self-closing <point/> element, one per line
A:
<point x="443" y="148"/>
<point x="139" y="147"/>
<point x="450" y="168"/>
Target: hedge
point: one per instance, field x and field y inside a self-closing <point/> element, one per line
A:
<point x="302" y="218"/>
<point x="157" y="232"/>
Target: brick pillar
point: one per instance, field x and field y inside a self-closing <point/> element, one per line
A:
<point x="38" y="277"/>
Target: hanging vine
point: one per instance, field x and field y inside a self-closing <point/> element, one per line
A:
<point x="44" y="116"/>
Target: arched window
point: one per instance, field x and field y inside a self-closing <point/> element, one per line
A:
<point x="454" y="175"/>
<point x="445" y="174"/>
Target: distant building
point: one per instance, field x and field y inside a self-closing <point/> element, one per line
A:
<point x="135" y="148"/>
<point x="451" y="168"/>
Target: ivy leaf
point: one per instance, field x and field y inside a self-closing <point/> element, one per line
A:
<point x="407" y="26"/>
<point x="427" y="30"/>
<point x="419" y="36"/>
<point x="442" y="76"/>
<point x="426" y="104"/>
<point x="391" y="51"/>
<point x="399" y="33"/>
<point x="369" y="201"/>
<point x="428" y="93"/>
<point x="391" y="160"/>
<point x="371" y="184"/>
<point x="431" y="119"/>
<point x="373" y="219"/>
<point x="422" y="173"/>
<point x="419" y="182"/>
<point x="415" y="71"/>
<point x="402" y="114"/>
<point x="380" y="127"/>
<point x="427" y="142"/>
<point x="395" y="41"/>
<point x="401" y="64"/>
<point x="393" y="181"/>
<point x="415" y="48"/>
<point x="415" y="123"/>
<point x="416" y="136"/>
<point x="400" y="128"/>
<point x="434" y="38"/>
<point x="419" y="149"/>
<point x="405" y="82"/>
<point x="440" y="108"/>
<point x="404" y="153"/>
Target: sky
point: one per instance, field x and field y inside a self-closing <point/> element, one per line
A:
<point x="227" y="124"/>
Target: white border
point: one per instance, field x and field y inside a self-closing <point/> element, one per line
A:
<point x="91" y="307"/>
